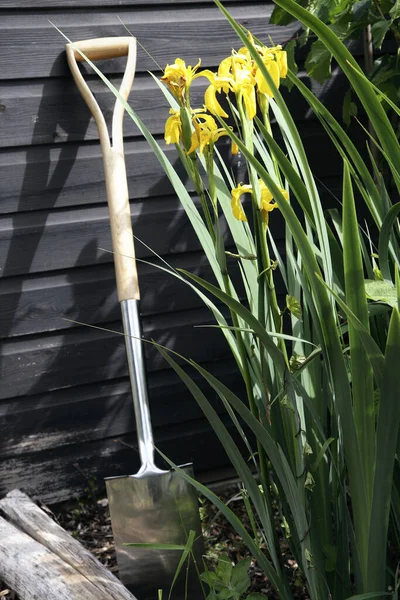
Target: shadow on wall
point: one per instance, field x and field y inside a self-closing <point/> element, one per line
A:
<point x="81" y="355"/>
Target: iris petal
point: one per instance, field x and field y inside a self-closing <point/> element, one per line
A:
<point x="172" y="130"/>
<point x="273" y="70"/>
<point x="212" y="103"/>
<point x="236" y="205"/>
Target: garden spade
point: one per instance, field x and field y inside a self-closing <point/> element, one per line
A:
<point x="156" y="510"/>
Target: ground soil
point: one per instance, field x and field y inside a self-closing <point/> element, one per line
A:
<point x="88" y="520"/>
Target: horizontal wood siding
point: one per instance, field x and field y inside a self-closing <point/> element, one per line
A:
<point x="66" y="414"/>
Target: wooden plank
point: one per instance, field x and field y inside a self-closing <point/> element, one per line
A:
<point x="30" y="44"/>
<point x="35" y="303"/>
<point x="32" y="520"/>
<point x="86" y="413"/>
<point x="68" y="471"/>
<point x="33" y="365"/>
<point x="39" y="303"/>
<point x="32" y="4"/>
<point x="33" y="571"/>
<point x="47" y="177"/>
<point x="52" y="111"/>
<point x="57" y="176"/>
<point x="42" y="241"/>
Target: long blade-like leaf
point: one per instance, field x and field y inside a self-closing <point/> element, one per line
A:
<point x="387" y="436"/>
<point x="361" y="370"/>
<point x="362" y="87"/>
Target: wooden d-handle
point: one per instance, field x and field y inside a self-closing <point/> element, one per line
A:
<point x="113" y="155"/>
<point x="102" y="48"/>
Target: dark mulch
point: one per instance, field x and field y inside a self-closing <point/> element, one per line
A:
<point x="88" y="520"/>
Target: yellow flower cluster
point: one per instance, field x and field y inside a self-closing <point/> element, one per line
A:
<point x="267" y="200"/>
<point x="206" y="131"/>
<point x="238" y="74"/>
<point x="179" y="78"/>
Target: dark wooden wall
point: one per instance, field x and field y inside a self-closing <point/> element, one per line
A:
<point x="64" y="393"/>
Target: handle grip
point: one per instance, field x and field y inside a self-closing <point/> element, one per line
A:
<point x="101" y="48"/>
<point x="113" y="155"/>
<point x="121" y="226"/>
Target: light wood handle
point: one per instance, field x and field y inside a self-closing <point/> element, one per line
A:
<point x="113" y="155"/>
<point x="102" y="48"/>
<point x="121" y="226"/>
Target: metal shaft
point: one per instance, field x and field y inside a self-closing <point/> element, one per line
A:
<point x="134" y="351"/>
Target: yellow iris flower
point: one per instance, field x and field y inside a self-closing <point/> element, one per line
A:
<point x="179" y="77"/>
<point x="206" y="132"/>
<point x="173" y="127"/>
<point x="281" y="59"/>
<point x="235" y="74"/>
<point x="274" y="59"/>
<point x="267" y="204"/>
<point x="273" y="70"/>
<point x="237" y="209"/>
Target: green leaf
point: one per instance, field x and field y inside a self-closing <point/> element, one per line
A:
<point x="309" y="482"/>
<point x="185" y="556"/>
<point x="395" y="11"/>
<point x="386" y="435"/>
<point x="373" y="107"/>
<point x="226" y="593"/>
<point x="240" y="579"/>
<point x="292" y="65"/>
<point x="361" y="10"/>
<point x="318" y="62"/>
<point x="331" y="557"/>
<point x="256" y="596"/>
<point x="239" y="464"/>
<point x="321" y="453"/>
<point x="397" y="284"/>
<point x="361" y="370"/>
<point x="373" y="351"/>
<point x="384" y="239"/>
<point x="307" y="450"/>
<point x="293" y="305"/>
<point x="381" y="291"/>
<point x="309" y="559"/>
<point x="290" y="48"/>
<point x="346" y="149"/>
<point x="349" y="108"/>
<point x="379" y="31"/>
<point x="369" y="596"/>
<point x="224" y="569"/>
<point x="156" y="546"/>
<point x="280" y="17"/>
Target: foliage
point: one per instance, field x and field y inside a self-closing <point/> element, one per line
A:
<point x="229" y="583"/>
<point x="350" y="20"/>
<point x="320" y="413"/>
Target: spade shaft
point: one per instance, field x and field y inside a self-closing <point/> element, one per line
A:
<point x="152" y="509"/>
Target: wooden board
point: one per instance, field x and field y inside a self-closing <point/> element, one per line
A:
<point x="24" y="514"/>
<point x="81" y="414"/>
<point x="30" y="44"/>
<point x="52" y="111"/>
<point x="53" y="177"/>
<point x="30" y="4"/>
<point x="37" y="364"/>
<point x="37" y="303"/>
<point x="34" y="572"/>
<point x="65" y="554"/>
<point x="42" y="241"/>
<point x="48" y="177"/>
<point x="68" y="471"/>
